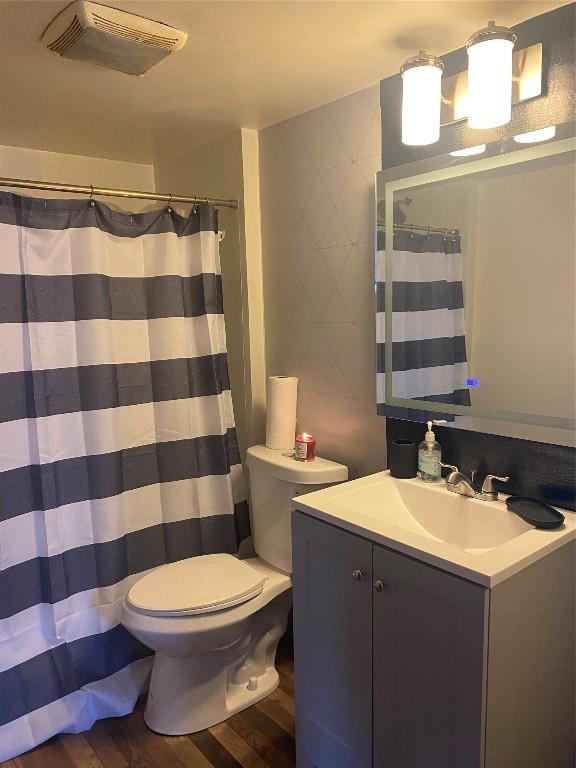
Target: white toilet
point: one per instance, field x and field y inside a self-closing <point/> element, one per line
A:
<point x="215" y="621"/>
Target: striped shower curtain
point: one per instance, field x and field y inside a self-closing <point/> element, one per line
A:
<point x="428" y="333"/>
<point x="118" y="451"/>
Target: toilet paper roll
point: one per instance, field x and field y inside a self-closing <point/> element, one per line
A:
<point x="281" y="412"/>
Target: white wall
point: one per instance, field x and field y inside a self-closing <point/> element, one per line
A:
<point x="23" y="163"/>
<point x="317" y="202"/>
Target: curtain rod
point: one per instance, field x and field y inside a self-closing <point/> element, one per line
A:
<point x="108" y="192"/>
<point x="424" y="227"/>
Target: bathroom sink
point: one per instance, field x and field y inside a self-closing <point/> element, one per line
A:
<point x="469" y="524"/>
<point x="480" y="540"/>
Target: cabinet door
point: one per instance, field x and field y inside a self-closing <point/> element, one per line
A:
<point x="332" y="645"/>
<point x="429" y="666"/>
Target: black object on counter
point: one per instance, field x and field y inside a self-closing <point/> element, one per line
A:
<point x="403" y="458"/>
<point x="535" y="512"/>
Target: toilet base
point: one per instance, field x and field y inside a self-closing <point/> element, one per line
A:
<point x="190" y="693"/>
<point x="240" y="697"/>
<point x="179" y="712"/>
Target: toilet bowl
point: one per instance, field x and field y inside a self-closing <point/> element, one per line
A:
<point x="214" y="621"/>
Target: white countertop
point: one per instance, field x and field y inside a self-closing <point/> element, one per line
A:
<point x="419" y="519"/>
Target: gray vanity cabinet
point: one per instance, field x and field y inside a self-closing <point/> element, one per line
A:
<point x="333" y="645"/>
<point x="428" y="664"/>
<point x="389" y="656"/>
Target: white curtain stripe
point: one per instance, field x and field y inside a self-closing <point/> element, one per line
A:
<point x="104" y="342"/>
<point x="87" y="433"/>
<point x="423" y="382"/>
<point x="87" y="250"/>
<point x="416" y="326"/>
<point x="434" y="267"/>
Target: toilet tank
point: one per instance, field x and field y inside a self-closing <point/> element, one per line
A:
<point x="275" y="478"/>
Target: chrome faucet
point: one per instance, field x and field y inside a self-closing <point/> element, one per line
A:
<point x="457" y="482"/>
<point x="488" y="492"/>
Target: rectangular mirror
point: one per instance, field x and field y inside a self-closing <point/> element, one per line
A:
<point x="475" y="288"/>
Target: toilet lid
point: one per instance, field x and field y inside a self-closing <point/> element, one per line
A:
<point x="196" y="585"/>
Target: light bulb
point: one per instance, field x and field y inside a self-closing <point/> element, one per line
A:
<point x="543" y="134"/>
<point x="490" y="77"/>
<point x="421" y="99"/>
<point x="468" y="151"/>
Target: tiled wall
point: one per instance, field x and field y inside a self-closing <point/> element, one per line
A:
<point x="317" y="190"/>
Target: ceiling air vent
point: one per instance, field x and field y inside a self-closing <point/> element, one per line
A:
<point x="111" y="38"/>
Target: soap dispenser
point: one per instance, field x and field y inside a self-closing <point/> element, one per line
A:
<point x="429" y="457"/>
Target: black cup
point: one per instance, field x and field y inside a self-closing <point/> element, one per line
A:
<point x="403" y="458"/>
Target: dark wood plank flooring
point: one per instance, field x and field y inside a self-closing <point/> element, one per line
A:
<point x="259" y="737"/>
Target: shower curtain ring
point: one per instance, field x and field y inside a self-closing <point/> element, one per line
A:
<point x="168" y="209"/>
<point x="91" y="196"/>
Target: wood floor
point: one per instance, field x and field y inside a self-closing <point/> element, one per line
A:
<point x="259" y="737"/>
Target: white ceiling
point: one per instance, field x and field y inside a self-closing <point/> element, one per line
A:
<point x="245" y="64"/>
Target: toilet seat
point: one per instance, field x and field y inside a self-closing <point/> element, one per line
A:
<point x="196" y="585"/>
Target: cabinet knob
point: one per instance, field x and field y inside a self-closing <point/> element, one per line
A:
<point x="378" y="585"/>
<point x="357" y="574"/>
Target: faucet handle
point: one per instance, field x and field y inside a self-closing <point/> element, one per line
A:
<point x="488" y="484"/>
<point x="452" y="467"/>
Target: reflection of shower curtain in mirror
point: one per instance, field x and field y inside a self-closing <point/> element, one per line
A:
<point x="429" y="342"/>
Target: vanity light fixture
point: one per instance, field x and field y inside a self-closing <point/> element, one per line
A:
<point x="542" y="134"/>
<point x="490" y="76"/>
<point x="468" y="151"/>
<point x="421" y="98"/>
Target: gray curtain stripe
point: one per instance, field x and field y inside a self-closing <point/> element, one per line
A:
<point x="425" y="353"/>
<point x="103" y="564"/>
<point x="31" y="394"/>
<point x="46" y="486"/>
<point x="64" y="669"/>
<point x="418" y="297"/>
<point x="38" y="213"/>
<point x="61" y="298"/>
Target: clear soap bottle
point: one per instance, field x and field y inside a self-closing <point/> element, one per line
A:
<point x="429" y="457"/>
